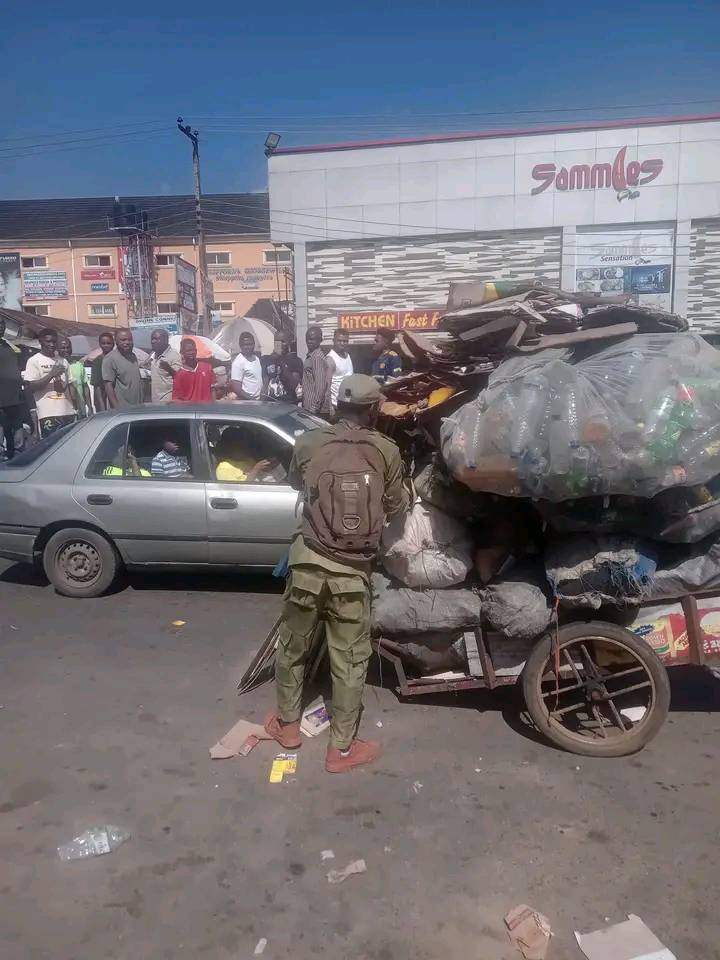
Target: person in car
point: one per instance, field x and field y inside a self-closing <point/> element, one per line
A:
<point x="235" y="464"/>
<point x="133" y="468"/>
<point x="169" y="463"/>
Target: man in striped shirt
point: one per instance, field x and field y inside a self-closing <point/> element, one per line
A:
<point x="168" y="463"/>
<point x="316" y="376"/>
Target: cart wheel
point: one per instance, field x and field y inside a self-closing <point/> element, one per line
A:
<point x="611" y="694"/>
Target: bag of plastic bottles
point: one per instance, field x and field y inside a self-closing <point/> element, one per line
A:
<point x="635" y="418"/>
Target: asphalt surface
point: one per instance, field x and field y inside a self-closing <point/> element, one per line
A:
<point x="107" y="715"/>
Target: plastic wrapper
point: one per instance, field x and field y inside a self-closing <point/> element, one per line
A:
<point x="518" y="605"/>
<point x="585" y="571"/>
<point x="400" y="610"/>
<point x="635" y="418"/>
<point x="426" y="548"/>
<point x="690" y="570"/>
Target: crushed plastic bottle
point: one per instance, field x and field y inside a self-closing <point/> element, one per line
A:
<point x="529" y="412"/>
<point x="94" y="842"/>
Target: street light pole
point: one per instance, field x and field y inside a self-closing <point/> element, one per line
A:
<point x="205" y="315"/>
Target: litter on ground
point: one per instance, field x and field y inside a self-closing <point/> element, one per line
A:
<point x="338" y="876"/>
<point x="630" y="940"/>
<point x="529" y="931"/>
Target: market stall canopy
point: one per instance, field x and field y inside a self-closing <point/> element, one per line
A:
<point x="30" y="323"/>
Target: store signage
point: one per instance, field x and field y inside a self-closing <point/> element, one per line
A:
<point x="619" y="175"/>
<point x="245" y="278"/>
<point x="185" y="283"/>
<point x="100" y="287"/>
<point x="426" y="319"/>
<point x="98" y="274"/>
<point x="167" y="321"/>
<point x="45" y="284"/>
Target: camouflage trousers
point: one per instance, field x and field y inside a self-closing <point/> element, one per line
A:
<point x="343" y="603"/>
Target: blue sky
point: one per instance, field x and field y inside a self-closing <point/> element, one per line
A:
<point x="91" y="98"/>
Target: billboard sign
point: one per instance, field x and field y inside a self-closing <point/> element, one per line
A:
<point x="100" y="287"/>
<point x="243" y="278"/>
<point x="371" y="321"/>
<point x="106" y="273"/>
<point x="45" y="284"/>
<point x="634" y="261"/>
<point x="186" y="286"/>
<point x="10" y="286"/>
<point x="166" y="321"/>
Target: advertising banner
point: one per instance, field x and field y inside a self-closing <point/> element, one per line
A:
<point x="244" y="278"/>
<point x="634" y="261"/>
<point x="186" y="285"/>
<point x="45" y="284"/>
<point x="168" y="321"/>
<point x="98" y="273"/>
<point x="10" y="286"/>
<point x="369" y="322"/>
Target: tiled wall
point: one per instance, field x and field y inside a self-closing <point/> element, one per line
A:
<point x="409" y="274"/>
<point x="703" y="309"/>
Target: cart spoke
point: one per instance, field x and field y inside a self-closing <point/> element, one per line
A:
<point x="590" y="666"/>
<point x="619" y="693"/>
<point x="599" y="717"/>
<point x="616" y="715"/>
<point x="564" y="710"/>
<point x="574" y="686"/>
<point x="572" y="666"/>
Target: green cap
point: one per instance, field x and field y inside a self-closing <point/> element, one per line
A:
<point x="359" y="390"/>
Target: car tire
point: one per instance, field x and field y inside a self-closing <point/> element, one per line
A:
<point x="640" y="734"/>
<point x="80" y="563"/>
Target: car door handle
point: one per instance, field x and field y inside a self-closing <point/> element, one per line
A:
<point x="223" y="503"/>
<point x="100" y="498"/>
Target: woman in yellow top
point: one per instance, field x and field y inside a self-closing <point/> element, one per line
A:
<point x="233" y="464"/>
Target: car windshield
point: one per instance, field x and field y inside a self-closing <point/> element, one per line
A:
<point x="32" y="453"/>
<point x="298" y="422"/>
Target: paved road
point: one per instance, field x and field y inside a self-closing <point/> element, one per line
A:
<point x="107" y="714"/>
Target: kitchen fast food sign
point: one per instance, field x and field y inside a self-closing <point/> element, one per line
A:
<point x="622" y="176"/>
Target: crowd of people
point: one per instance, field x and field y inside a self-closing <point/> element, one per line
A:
<point x="54" y="390"/>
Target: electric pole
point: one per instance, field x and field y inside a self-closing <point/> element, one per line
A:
<point x="208" y="298"/>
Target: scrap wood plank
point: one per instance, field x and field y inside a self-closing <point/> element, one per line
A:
<point x="580" y="336"/>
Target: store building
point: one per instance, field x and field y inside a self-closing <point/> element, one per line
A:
<point x="380" y="229"/>
<point x="61" y="258"/>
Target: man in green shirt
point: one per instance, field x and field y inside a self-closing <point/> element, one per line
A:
<point x="331" y="584"/>
<point x="79" y="388"/>
<point x="121" y="373"/>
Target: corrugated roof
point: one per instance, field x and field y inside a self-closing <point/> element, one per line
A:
<point x="81" y="218"/>
<point x="34" y="323"/>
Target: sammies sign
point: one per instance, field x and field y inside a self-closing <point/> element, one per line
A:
<point x="619" y="175"/>
<point x="426" y="319"/>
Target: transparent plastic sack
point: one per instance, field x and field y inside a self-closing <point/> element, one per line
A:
<point x="94" y="842"/>
<point x="635" y="418"/>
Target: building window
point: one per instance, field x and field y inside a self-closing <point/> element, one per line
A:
<point x="217" y="258"/>
<point x="38" y="309"/>
<point x="166" y="259"/>
<point x="224" y="307"/>
<point x="167" y="308"/>
<point x="102" y="309"/>
<point x="98" y="260"/>
<point x="277" y="256"/>
<point x="30" y="262"/>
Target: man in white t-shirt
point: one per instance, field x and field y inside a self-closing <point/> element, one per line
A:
<point x="46" y="374"/>
<point x="246" y="371"/>
<point x="339" y="363"/>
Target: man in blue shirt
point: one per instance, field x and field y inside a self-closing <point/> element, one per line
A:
<point x="387" y="363"/>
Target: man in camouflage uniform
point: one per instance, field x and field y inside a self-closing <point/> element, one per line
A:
<point x="323" y="588"/>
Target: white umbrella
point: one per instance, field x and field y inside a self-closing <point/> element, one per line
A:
<point x="228" y="335"/>
<point x="206" y="347"/>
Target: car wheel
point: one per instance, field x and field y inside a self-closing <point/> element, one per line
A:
<point x="80" y="563"/>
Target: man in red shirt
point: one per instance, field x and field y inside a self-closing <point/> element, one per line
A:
<point x="195" y="381"/>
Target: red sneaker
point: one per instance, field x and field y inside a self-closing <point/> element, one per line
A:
<point x="360" y="753"/>
<point x="286" y="734"/>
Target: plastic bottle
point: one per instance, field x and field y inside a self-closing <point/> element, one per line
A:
<point x="530" y="411"/>
<point x="645" y="386"/>
<point x="559" y="442"/>
<point x="659" y="413"/>
<point x="94" y="842"/>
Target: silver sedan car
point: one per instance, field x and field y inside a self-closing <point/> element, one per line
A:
<point x="158" y="486"/>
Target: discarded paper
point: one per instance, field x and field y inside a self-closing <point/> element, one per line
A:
<point x="337" y="876"/>
<point x="282" y="764"/>
<point x="315" y="718"/>
<point x="529" y="931"/>
<point x="260" y="947"/>
<point x="630" y="940"/>
<point x="235" y="740"/>
<point x="327" y="855"/>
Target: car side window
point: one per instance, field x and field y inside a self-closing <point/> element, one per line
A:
<point x="109" y="457"/>
<point x="159" y="450"/>
<point x="243" y="452"/>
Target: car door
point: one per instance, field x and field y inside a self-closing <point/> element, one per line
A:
<point x="153" y="519"/>
<point x="249" y="524"/>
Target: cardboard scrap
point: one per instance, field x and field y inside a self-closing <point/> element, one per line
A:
<point x="337" y="876"/>
<point x="282" y="764"/>
<point x="233" y="744"/>
<point x="529" y="931"/>
<point x="630" y="940"/>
